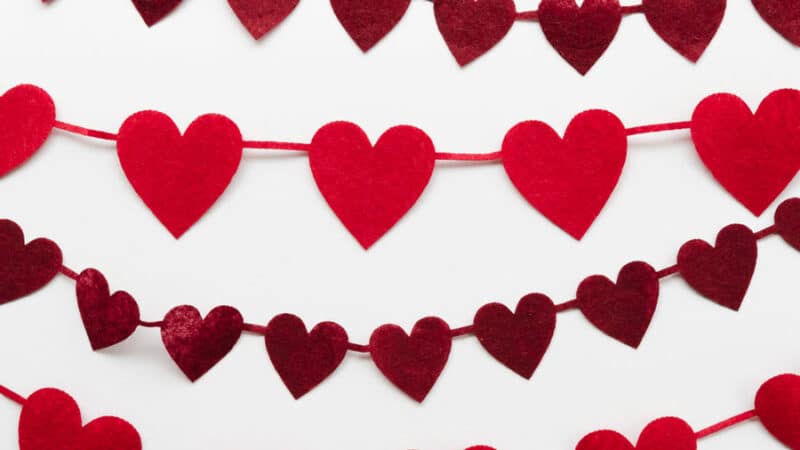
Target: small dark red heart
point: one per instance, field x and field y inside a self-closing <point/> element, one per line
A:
<point x="667" y="433"/>
<point x="519" y="340"/>
<point x="688" y="26"/>
<point x="304" y="360"/>
<point x="152" y="11"/>
<point x="27" y="116"/>
<point x="783" y="16"/>
<point x="108" y="319"/>
<point x="777" y="406"/>
<point x="369" y="23"/>
<point x="259" y="16"/>
<point x="412" y="363"/>
<point x="24" y="269"/>
<point x="787" y="221"/>
<point x="472" y="27"/>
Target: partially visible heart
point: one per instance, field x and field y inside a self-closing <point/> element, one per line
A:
<point x="777" y="407"/>
<point x="369" y="23"/>
<point x="259" y="16"/>
<point x="783" y="16"/>
<point x="787" y="221"/>
<point x="152" y="11"/>
<point x="108" y="319"/>
<point x="470" y="28"/>
<point x="667" y="433"/>
<point x="688" y="26"/>
<point x="27" y="116"/>
<point x="25" y="269"/>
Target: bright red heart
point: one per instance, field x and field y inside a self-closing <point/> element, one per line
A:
<point x="25" y="269"/>
<point x="304" y="360"/>
<point x="667" y="433"/>
<point x="412" y="363"/>
<point x="688" y="26"/>
<point x="754" y="157"/>
<point x="259" y="16"/>
<point x="472" y="27"/>
<point x="777" y="406"/>
<point x="27" y="116"/>
<point x="108" y="319"/>
<point x="568" y="181"/>
<point x="152" y="11"/>
<point x="179" y="177"/>
<point x="520" y="339"/>
<point x="370" y="188"/>
<point x="787" y="221"/>
<point x="369" y="23"/>
<point x="783" y="16"/>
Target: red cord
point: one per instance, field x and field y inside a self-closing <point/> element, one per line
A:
<point x="11" y="395"/>
<point x="716" y="428"/>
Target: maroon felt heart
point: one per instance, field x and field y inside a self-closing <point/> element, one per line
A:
<point x="303" y="360"/>
<point x="27" y="116"/>
<point x="688" y="26"/>
<point x="196" y="344"/>
<point x="667" y="433"/>
<point x="25" y="269"/>
<point x="108" y="319"/>
<point x="259" y="16"/>
<point x="787" y="221"/>
<point x="51" y="420"/>
<point x="368" y="187"/>
<point x="721" y="273"/>
<point x="179" y="177"/>
<point x="622" y="310"/>
<point x="580" y="34"/>
<point x="413" y="363"/>
<point x="472" y="27"/>
<point x="368" y="23"/>
<point x="778" y="405"/>
<point x="520" y="339"/>
<point x="783" y="16"/>
<point x="754" y="157"/>
<point x="568" y="180"/>
<point x="152" y="11"/>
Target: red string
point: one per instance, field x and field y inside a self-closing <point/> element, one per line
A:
<point x="716" y="428"/>
<point x="533" y="16"/>
<point x="655" y="128"/>
<point x="85" y="131"/>
<point x="11" y="395"/>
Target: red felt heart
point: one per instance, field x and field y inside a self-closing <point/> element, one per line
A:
<point x="753" y="157"/>
<point x="777" y="406"/>
<point x="25" y="269"/>
<point x="688" y="26"/>
<point x="368" y="23"/>
<point x="27" y="116"/>
<point x="667" y="433"/>
<point x="370" y="188"/>
<point x="520" y="339"/>
<point x="196" y="344"/>
<point x="179" y="177"/>
<point x="259" y="16"/>
<point x="622" y="310"/>
<point x="569" y="180"/>
<point x="51" y="420"/>
<point x="787" y="221"/>
<point x="783" y="16"/>
<point x="580" y="34"/>
<point x="152" y="11"/>
<point x="303" y="360"/>
<point x="413" y="363"/>
<point x="108" y="319"/>
<point x="472" y="27"/>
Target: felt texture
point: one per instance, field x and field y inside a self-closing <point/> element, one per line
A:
<point x="412" y="363"/>
<point x="196" y="344"/>
<point x="622" y="310"/>
<point x="667" y="433"/>
<point x="520" y="339"/>
<point x="152" y="11"/>
<point x="51" y="420"/>
<point x="27" y="116"/>
<point x="470" y="28"/>
<point x="24" y="269"/>
<point x="261" y="16"/>
<point x="367" y="22"/>
<point x="108" y="319"/>
<point x="753" y="156"/>
<point x="721" y="273"/>
<point x="580" y="34"/>
<point x="370" y="188"/>
<point x="777" y="406"/>
<point x="302" y="359"/>
<point x="688" y="26"/>
<point x="568" y="180"/>
<point x="783" y="16"/>
<point x="179" y="177"/>
<point x="787" y="221"/>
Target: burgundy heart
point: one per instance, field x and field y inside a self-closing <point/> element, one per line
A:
<point x="27" y="116"/>
<point x="777" y="406"/>
<point x="152" y="11"/>
<point x="787" y="221"/>
<point x="259" y="16"/>
<point x="783" y="16"/>
<point x="470" y="28"/>
<point x="688" y="26"/>
<point x="24" y="269"/>
<point x="108" y="319"/>
<point x="369" y="23"/>
<point x="666" y="433"/>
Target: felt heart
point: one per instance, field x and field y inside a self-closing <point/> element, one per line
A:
<point x="196" y="344"/>
<point x="787" y="221"/>
<point x="568" y="180"/>
<point x="777" y="406"/>
<point x="25" y="269"/>
<point x="51" y="420"/>
<point x="369" y="23"/>
<point x="721" y="273"/>
<point x="259" y="16"/>
<point x="688" y="26"/>
<point x="412" y="363"/>
<point x="152" y="11"/>
<point x="370" y="188"/>
<point x="622" y="310"/>
<point x="580" y="34"/>
<point x="179" y="177"/>
<point x="754" y="157"/>
<point x="520" y="339"/>
<point x="27" y="116"/>
<point x="783" y="16"/>
<point x="666" y="433"/>
<point x="108" y="319"/>
<point x="471" y="27"/>
<point x="303" y="360"/>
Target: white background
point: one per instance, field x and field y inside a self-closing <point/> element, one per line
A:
<point x="272" y="245"/>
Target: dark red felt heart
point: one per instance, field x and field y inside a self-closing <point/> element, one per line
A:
<point x="413" y="363"/>
<point x="778" y="405"/>
<point x="688" y="26"/>
<point x="152" y="11"/>
<point x="51" y="420"/>
<point x="25" y="269"/>
<point x="753" y="157"/>
<point x="721" y="273"/>
<point x="196" y="344"/>
<point x="580" y="34"/>
<point x="520" y="339"/>
<point x="783" y="16"/>
<point x="472" y="27"/>
<point x="108" y="319"/>
<point x="179" y="177"/>
<point x="667" y="433"/>
<point x="370" y="188"/>
<point x="568" y="180"/>
<point x="27" y="116"/>
<point x="303" y="360"/>
<point x="622" y="310"/>
<point x="259" y="16"/>
<point x="368" y="23"/>
<point x="787" y="221"/>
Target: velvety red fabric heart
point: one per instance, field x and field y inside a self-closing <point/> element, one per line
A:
<point x="179" y="177"/>
<point x="302" y="359"/>
<point x="519" y="339"/>
<point x="196" y="344"/>
<point x="781" y="15"/>
<point x="27" y="116"/>
<point x="667" y="433"/>
<point x="369" y="187"/>
<point x="567" y="180"/>
<point x="51" y="420"/>
<point x="152" y="11"/>
<point x="688" y="26"/>
<point x="259" y="16"/>
<point x="754" y="157"/>
<point x="25" y="269"/>
<point x="787" y="221"/>
<point x="412" y="363"/>
<point x="368" y="23"/>
<point x="580" y="34"/>
<point x="108" y="319"/>
<point x="622" y="310"/>
<point x="777" y="404"/>
<point x="472" y="27"/>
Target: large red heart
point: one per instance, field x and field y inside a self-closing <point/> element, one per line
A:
<point x="303" y="360"/>
<point x="412" y="363"/>
<point x="472" y="27"/>
<point x="51" y="420"/>
<point x="25" y="269"/>
<point x="259" y="16"/>
<point x="370" y="188"/>
<point x="783" y="16"/>
<point x="754" y="157"/>
<point x="667" y="433"/>
<point x="688" y="26"/>
<point x="580" y="34"/>
<point x="777" y="406"/>
<point x="108" y="319"/>
<point x="179" y="177"/>
<point x="568" y="181"/>
<point x="368" y="23"/>
<point x="787" y="221"/>
<point x="152" y="11"/>
<point x="27" y="116"/>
